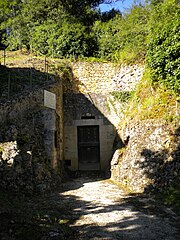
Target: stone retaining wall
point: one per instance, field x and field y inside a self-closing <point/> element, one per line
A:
<point x="106" y="77"/>
<point x="99" y="81"/>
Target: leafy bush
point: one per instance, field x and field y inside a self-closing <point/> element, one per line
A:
<point x="163" y="55"/>
<point x="106" y="35"/>
<point x="71" y="40"/>
<point x="39" y="38"/>
<point x="65" y="40"/>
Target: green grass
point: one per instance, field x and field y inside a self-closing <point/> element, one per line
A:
<point x="151" y="102"/>
<point x="171" y="197"/>
<point x="123" y="96"/>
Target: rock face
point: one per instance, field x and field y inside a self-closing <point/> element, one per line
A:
<point x="30" y="142"/>
<point x="150" y="157"/>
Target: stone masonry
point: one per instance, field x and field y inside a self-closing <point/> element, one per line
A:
<point x="89" y="101"/>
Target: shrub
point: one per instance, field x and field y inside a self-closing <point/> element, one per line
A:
<point x="39" y="39"/>
<point x="163" y="55"/>
<point x="72" y="39"/>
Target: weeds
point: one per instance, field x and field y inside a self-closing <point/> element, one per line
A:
<point x="151" y="102"/>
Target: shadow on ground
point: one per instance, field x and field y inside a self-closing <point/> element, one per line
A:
<point x="68" y="216"/>
<point x="64" y="215"/>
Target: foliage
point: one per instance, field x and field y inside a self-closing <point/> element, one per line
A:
<point x="163" y="55"/>
<point x="171" y="197"/>
<point x="77" y="29"/>
<point x="72" y="39"/>
<point x="105" y="33"/>
<point x="68" y="39"/>
<point x="122" y="96"/>
<point x="151" y="102"/>
<point x="106" y="16"/>
<point x="38" y="42"/>
<point x="123" y="37"/>
<point x="48" y="28"/>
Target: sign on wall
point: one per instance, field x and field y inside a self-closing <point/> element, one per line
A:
<point x="49" y="99"/>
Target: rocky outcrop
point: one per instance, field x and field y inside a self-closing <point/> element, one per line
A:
<point x="24" y="164"/>
<point x="30" y="142"/>
<point x="150" y="158"/>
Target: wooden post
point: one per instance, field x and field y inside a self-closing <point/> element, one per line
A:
<point x="9" y="85"/>
<point x="31" y="77"/>
<point x="47" y="77"/>
<point x="45" y="64"/>
<point x="4" y="56"/>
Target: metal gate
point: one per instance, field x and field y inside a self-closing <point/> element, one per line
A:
<point x="88" y="148"/>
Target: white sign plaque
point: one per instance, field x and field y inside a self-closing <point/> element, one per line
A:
<point x="49" y="100"/>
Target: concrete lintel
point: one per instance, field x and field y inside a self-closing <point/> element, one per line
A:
<point x="88" y="122"/>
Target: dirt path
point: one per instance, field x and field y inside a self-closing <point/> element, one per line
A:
<point x="100" y="210"/>
<point x="86" y="209"/>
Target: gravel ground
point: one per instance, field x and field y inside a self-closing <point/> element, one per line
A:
<point x="101" y="210"/>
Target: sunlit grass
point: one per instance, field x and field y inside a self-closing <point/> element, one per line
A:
<point x="151" y="102"/>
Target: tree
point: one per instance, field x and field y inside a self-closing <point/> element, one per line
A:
<point x="123" y="37"/>
<point x="106" y="16"/>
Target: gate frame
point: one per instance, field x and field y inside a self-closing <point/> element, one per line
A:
<point x="98" y="146"/>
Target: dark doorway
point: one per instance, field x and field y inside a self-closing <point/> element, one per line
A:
<point x="88" y="148"/>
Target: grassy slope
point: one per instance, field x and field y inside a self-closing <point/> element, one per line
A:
<point x="22" y="72"/>
<point x="152" y="102"/>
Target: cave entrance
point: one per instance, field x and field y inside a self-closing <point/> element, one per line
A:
<point x="88" y="147"/>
